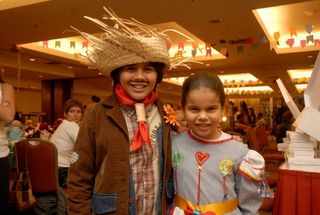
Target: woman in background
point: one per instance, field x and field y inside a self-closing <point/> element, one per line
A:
<point x="7" y="111"/>
<point x="65" y="136"/>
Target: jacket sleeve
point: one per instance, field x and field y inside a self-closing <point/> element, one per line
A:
<point x="82" y="169"/>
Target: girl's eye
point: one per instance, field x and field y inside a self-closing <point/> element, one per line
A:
<point x="193" y="109"/>
<point x="211" y="109"/>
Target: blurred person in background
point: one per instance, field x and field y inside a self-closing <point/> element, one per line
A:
<point x="65" y="136"/>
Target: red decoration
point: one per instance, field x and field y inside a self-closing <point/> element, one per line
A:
<point x="303" y="43"/>
<point x="201" y="157"/>
<point x="290" y="42"/>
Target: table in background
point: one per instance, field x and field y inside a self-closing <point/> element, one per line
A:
<point x="298" y="192"/>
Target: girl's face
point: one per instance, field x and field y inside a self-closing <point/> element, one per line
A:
<point x="203" y="112"/>
<point x="74" y="114"/>
<point x="138" y="80"/>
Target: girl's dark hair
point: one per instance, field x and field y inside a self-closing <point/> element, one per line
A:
<point x="202" y="80"/>
<point x="159" y="67"/>
<point x="72" y="103"/>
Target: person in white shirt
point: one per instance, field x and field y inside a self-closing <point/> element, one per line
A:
<point x="65" y="136"/>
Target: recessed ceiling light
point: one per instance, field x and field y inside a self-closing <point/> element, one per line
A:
<point x="99" y="73"/>
<point x="2" y="70"/>
<point x="32" y="59"/>
<point x="40" y="76"/>
<point x="310" y="56"/>
<point x="207" y="64"/>
<point x="69" y="67"/>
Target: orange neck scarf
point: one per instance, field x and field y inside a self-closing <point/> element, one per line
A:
<point x="142" y="134"/>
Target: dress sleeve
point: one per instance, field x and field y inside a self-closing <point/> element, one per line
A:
<point x="248" y="178"/>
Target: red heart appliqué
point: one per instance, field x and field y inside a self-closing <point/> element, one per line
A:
<point x="201" y="157"/>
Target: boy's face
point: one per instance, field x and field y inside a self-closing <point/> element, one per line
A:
<point x="138" y="80"/>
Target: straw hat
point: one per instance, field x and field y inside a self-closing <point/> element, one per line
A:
<point x="127" y="42"/>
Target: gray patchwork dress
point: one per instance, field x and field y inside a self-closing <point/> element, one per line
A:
<point x="215" y="172"/>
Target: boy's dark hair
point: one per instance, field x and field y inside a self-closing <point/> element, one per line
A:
<point x="95" y="98"/>
<point x="202" y="80"/>
<point x="71" y="103"/>
<point x="159" y="67"/>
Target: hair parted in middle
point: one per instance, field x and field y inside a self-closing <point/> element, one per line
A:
<point x="202" y="80"/>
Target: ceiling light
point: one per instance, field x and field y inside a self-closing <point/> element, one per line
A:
<point x="100" y="73"/>
<point x="32" y="59"/>
<point x="300" y="76"/>
<point x="207" y="64"/>
<point x="69" y="67"/>
<point x="40" y="76"/>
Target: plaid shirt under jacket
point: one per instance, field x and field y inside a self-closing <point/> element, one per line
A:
<point x="143" y="164"/>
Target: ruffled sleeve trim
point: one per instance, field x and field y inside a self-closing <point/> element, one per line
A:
<point x="252" y="166"/>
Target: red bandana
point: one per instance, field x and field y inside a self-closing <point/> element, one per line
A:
<point x="142" y="134"/>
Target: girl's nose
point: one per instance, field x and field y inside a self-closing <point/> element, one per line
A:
<point x="203" y="115"/>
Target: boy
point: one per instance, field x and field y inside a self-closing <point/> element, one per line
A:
<point x="122" y="159"/>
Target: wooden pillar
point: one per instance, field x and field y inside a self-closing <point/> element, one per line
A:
<point x="54" y="94"/>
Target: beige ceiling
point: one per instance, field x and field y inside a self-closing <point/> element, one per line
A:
<point x="52" y="19"/>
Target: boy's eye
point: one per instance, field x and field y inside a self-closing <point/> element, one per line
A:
<point x="149" y="69"/>
<point x="130" y="68"/>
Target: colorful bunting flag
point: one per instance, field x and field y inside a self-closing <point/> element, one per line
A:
<point x="249" y="41"/>
<point x="85" y="44"/>
<point x="240" y="50"/>
<point x="309" y="38"/>
<point x="290" y="42"/>
<point x="263" y="38"/>
<point x="72" y="44"/>
<point x="45" y="43"/>
<point x="181" y="45"/>
<point x="276" y="36"/>
<point x="255" y="47"/>
<point x="194" y="52"/>
<point x="293" y="31"/>
<point x="57" y="44"/>
<point x="303" y="43"/>
<point x="309" y="28"/>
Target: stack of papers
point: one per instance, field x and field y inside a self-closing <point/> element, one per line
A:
<point x="300" y="152"/>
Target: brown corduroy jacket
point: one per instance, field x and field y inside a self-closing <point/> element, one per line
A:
<point x="98" y="181"/>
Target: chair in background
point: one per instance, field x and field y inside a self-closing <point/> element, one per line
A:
<point x="41" y="156"/>
<point x="41" y="159"/>
<point x="258" y="140"/>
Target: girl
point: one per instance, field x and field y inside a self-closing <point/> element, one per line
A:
<point x="213" y="173"/>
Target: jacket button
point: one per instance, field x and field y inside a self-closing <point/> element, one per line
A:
<point x="131" y="200"/>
